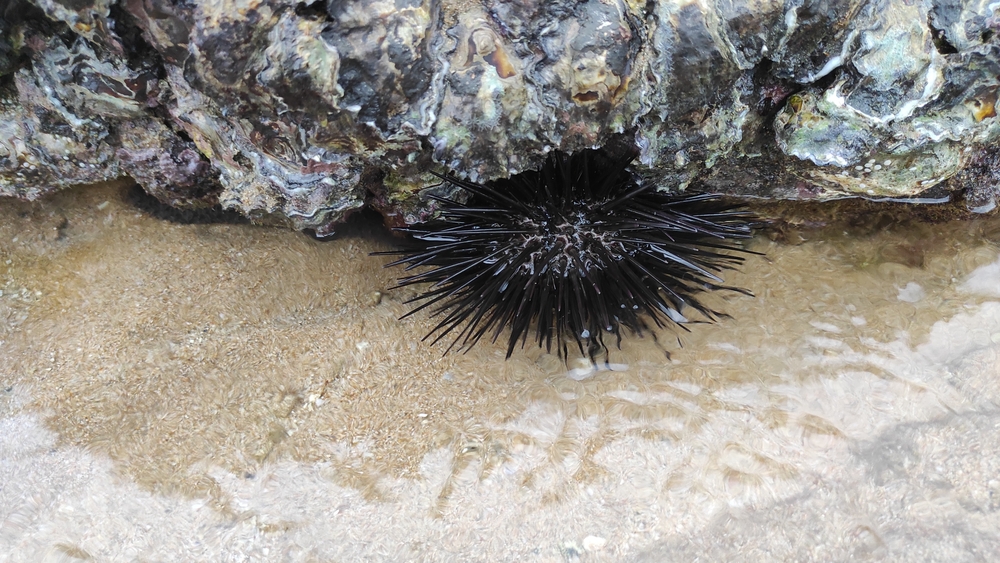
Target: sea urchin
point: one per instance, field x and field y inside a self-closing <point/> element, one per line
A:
<point x="578" y="249"/>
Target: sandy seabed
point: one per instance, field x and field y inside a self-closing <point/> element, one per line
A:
<point x="235" y="393"/>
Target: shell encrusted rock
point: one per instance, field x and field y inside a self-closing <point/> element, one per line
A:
<point x="304" y="111"/>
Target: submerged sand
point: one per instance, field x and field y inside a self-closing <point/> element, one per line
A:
<point x="237" y="393"/>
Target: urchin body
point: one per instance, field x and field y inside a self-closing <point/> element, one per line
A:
<point x="571" y="253"/>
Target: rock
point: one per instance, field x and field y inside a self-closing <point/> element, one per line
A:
<point x="302" y="112"/>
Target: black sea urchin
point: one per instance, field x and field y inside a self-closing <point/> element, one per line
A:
<point x="579" y="249"/>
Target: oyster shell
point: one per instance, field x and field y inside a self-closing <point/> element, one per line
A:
<point x="302" y="112"/>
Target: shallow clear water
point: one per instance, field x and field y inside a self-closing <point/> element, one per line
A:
<point x="240" y="393"/>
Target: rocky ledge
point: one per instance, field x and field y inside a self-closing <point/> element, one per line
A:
<point x="301" y="112"/>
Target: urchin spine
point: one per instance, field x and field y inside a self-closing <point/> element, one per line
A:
<point x="579" y="249"/>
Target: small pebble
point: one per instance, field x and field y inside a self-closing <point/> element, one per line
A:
<point x="570" y="551"/>
<point x="594" y="543"/>
<point x="911" y="293"/>
<point x="580" y="369"/>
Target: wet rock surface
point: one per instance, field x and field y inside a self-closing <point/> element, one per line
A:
<point x="303" y="112"/>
